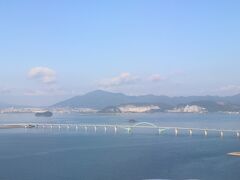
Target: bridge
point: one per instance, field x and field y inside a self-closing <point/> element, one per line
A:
<point x="128" y="127"/>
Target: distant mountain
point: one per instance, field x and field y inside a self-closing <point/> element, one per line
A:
<point x="102" y="99"/>
<point x="232" y="99"/>
<point x="96" y="99"/>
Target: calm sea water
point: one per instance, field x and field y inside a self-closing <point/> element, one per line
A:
<point x="52" y="154"/>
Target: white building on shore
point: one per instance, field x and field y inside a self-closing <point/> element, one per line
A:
<point x="138" y="109"/>
<point x="189" y="109"/>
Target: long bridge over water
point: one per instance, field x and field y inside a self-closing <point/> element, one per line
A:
<point x="128" y="127"/>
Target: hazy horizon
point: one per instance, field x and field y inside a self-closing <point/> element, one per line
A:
<point x="64" y="99"/>
<point x="54" y="50"/>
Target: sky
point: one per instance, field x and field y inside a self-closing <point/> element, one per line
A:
<point x="53" y="50"/>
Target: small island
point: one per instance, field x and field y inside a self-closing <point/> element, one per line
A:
<point x="132" y="121"/>
<point x="44" y="114"/>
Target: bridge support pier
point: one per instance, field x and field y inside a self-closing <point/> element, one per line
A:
<point x="221" y="134"/>
<point x="176" y="131"/>
<point x="86" y="128"/>
<point x="190" y="132"/>
<point x="115" y="129"/>
<point x="160" y="131"/>
<point x="238" y="134"/>
<point x="205" y="133"/>
<point x="76" y="127"/>
<point x="95" y="129"/>
<point x="129" y="130"/>
<point x="105" y="129"/>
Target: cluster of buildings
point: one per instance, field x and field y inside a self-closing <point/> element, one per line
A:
<point x="21" y="110"/>
<point x="117" y="109"/>
<point x="138" y="109"/>
<point x="68" y="110"/>
<point x="189" y="109"/>
<point x="73" y="110"/>
<point x="54" y="110"/>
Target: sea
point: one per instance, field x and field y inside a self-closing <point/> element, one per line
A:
<point x="76" y="154"/>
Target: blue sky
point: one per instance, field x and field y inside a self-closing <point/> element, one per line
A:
<point x="52" y="50"/>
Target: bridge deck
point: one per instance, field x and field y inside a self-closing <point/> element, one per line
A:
<point x="123" y="126"/>
<point x="114" y="125"/>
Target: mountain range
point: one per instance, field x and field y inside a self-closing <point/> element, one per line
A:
<point x="100" y="99"/>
